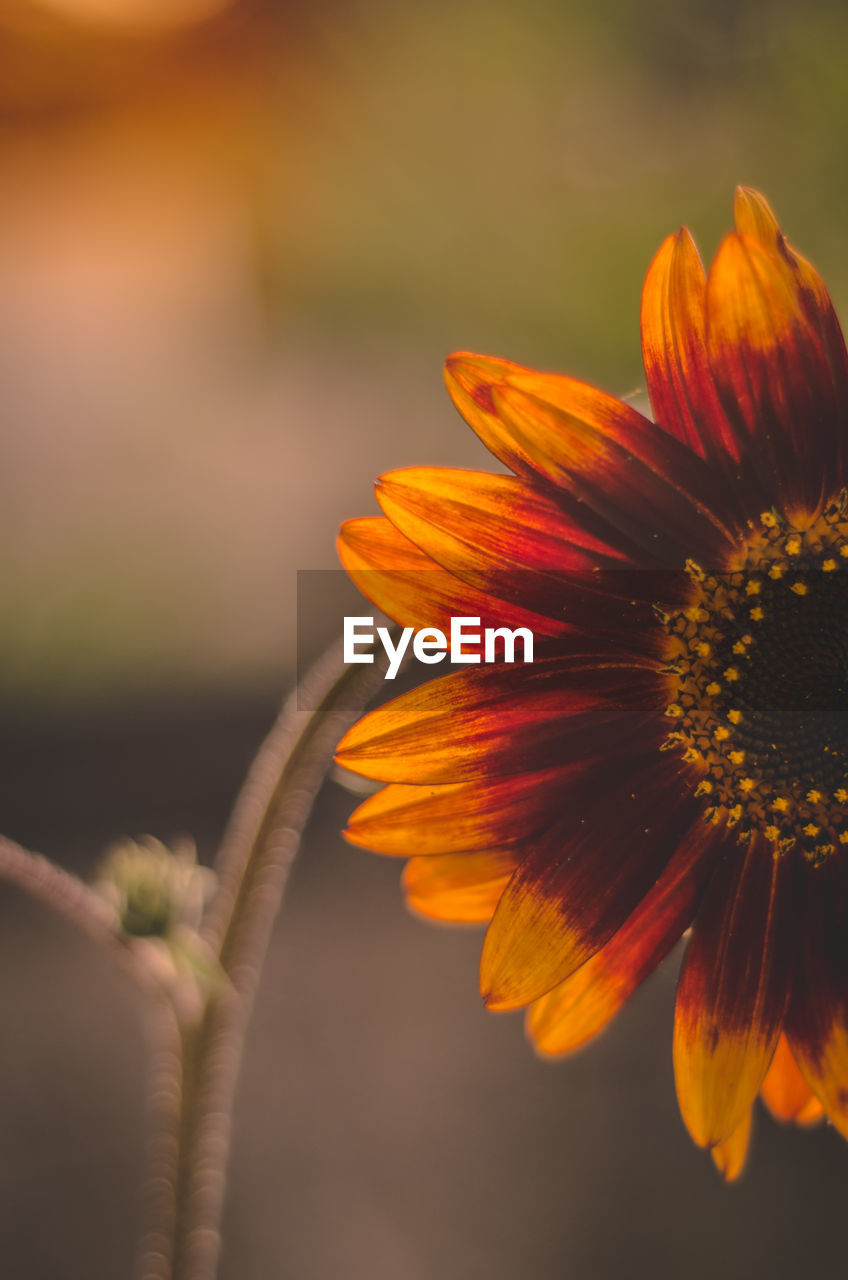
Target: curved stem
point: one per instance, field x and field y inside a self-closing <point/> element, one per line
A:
<point x="254" y="864"/>
<point x="72" y="898"/>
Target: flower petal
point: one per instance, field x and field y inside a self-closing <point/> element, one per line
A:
<point x="581" y="1006"/>
<point x="583" y="879"/>
<point x="674" y="352"/>
<point x="636" y="478"/>
<point x="505" y="537"/>
<point x="461" y="817"/>
<point x="733" y="990"/>
<point x="772" y="371"/>
<point x="817" y="1023"/>
<point x="785" y="1091"/>
<point x="460" y="887"/>
<point x="414" y="590"/>
<point x="729" y="1155"/>
<point x="499" y="720"/>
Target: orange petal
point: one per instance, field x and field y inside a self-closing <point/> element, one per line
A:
<point x="581" y="1006"/>
<point x="581" y="881"/>
<point x="629" y="473"/>
<point x="674" y="351"/>
<point x="730" y="1154"/>
<point x="461" y="887"/>
<point x="733" y="990"/>
<point x="492" y="721"/>
<point x="785" y="1091"/>
<point x="461" y="817"/>
<point x="503" y="536"/>
<point x="414" y="590"/>
<point x="755" y="218"/>
<point x="772" y="370"/>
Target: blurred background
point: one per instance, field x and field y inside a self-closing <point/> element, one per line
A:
<point x="238" y="238"/>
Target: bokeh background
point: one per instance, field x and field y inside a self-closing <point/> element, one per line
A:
<point x="238" y="238"/>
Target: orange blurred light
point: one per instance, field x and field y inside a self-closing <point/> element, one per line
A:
<point x="135" y="14"/>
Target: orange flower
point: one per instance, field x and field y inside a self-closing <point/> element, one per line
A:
<point x="677" y="753"/>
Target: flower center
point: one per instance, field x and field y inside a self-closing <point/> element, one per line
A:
<point x="758" y="666"/>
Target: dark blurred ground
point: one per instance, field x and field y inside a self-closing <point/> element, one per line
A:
<point x="387" y="1127"/>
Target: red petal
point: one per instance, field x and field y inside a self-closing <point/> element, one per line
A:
<point x="503" y="536"/>
<point x="415" y="591"/>
<point x="674" y="351"/>
<point x="461" y="817"/>
<point x="498" y="720"/>
<point x="581" y="1006"/>
<point x="634" y="476"/>
<point x="583" y="879"/>
<point x="773" y="373"/>
<point x="733" y="990"/>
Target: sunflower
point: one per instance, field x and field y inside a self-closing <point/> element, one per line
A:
<point x="676" y="755"/>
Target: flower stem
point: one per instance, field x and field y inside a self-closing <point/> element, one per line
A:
<point x="253" y="868"/>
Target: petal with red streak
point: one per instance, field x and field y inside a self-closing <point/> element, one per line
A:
<point x="403" y="820"/>
<point x="640" y="481"/>
<point x="733" y="989"/>
<point x="772" y="371"/>
<point x="581" y="1006"/>
<point x="505" y="537"/>
<point x="680" y="381"/>
<point x="415" y="591"/>
<point x="581" y="881"/>
<point x="498" y="720"/>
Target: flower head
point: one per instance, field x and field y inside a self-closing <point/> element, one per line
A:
<point x="677" y="754"/>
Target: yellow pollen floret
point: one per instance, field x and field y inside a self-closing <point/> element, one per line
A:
<point x="843" y="837"/>
<point x="769" y="519"/>
<point x="781" y="804"/>
<point x="811" y="829"/>
<point x="772" y="833"/>
<point x="697" y="614"/>
<point x="674" y="709"/>
<point x="793" y="545"/>
<point x="721" y="734"/>
<point x="703" y="649"/>
<point x="843" y="550"/>
<point x="731" y="674"/>
<point x="712" y="689"/>
<point x="734" y="716"/>
<point x="739" y="647"/>
<point x="814" y="797"/>
<point x="776" y="571"/>
<point x="746" y="784"/>
<point x="757" y="613"/>
<point x="841" y="795"/>
<point x="734" y="814"/>
<point x="736" y="757"/>
<point x="829" y="566"/>
<point x="800" y="588"/>
<point x="704" y="788"/>
<point x="753" y="587"/>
